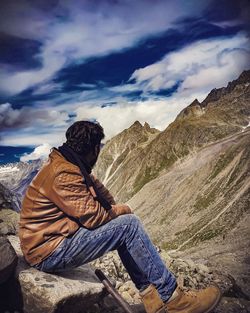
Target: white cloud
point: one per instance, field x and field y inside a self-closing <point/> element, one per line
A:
<point x="201" y="66"/>
<point x="158" y="113"/>
<point x="46" y="88"/>
<point x="85" y="32"/>
<point x="15" y="82"/>
<point x="40" y="152"/>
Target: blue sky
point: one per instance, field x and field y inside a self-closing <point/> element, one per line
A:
<point x="111" y="61"/>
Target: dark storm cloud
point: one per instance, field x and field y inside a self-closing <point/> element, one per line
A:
<point x="27" y="19"/>
<point x="26" y="116"/>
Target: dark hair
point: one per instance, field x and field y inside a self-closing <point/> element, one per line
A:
<point x="83" y="136"/>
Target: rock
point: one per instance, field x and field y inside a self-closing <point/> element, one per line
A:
<point x="8" y="198"/>
<point x="223" y="281"/>
<point x="8" y="222"/>
<point x="203" y="268"/>
<point x="72" y="291"/>
<point x="233" y="305"/>
<point x="112" y="266"/>
<point x="8" y="259"/>
<point x="109" y="305"/>
<point x="127" y="297"/>
<point x="118" y="284"/>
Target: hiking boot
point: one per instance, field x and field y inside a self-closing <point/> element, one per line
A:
<point x="191" y="301"/>
<point x="194" y="301"/>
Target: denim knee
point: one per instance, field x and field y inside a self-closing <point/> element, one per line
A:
<point x="132" y="225"/>
<point x="130" y="219"/>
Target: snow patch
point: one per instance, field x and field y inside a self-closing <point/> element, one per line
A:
<point x="7" y="169"/>
<point x="244" y="127"/>
<point x="106" y="178"/>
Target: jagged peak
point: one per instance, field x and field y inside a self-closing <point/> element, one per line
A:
<point x="244" y="76"/>
<point x="195" y="102"/>
<point x="136" y="124"/>
<point x="150" y="129"/>
<point x="216" y="93"/>
<point x="192" y="109"/>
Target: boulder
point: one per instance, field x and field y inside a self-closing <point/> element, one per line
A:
<point x="71" y="291"/>
<point x="8" y="259"/>
<point x="8" y="221"/>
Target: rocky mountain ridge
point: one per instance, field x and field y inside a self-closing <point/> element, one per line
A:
<point x="120" y="153"/>
<point x="215" y="94"/>
<point x="9" y="199"/>
<point x="193" y="187"/>
<point x="201" y="204"/>
<point x="14" y="179"/>
<point x="194" y="127"/>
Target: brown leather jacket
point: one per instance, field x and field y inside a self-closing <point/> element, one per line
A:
<point x="56" y="204"/>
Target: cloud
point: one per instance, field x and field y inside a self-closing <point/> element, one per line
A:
<point x="14" y="82"/>
<point x="40" y="152"/>
<point x="201" y="66"/>
<point x="47" y="88"/>
<point x="114" y="118"/>
<point x="198" y="68"/>
<point x="91" y="29"/>
<point x="72" y="33"/>
<point x="159" y="113"/>
<point x="25" y="117"/>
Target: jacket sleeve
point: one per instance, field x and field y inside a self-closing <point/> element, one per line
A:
<point x="103" y="190"/>
<point x="70" y="194"/>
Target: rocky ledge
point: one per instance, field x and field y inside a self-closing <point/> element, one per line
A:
<point x="28" y="290"/>
<point x="33" y="291"/>
<point x="189" y="275"/>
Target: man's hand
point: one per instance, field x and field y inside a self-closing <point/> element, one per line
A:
<point x="119" y="209"/>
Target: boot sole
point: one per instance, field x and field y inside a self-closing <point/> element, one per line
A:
<point x="215" y="303"/>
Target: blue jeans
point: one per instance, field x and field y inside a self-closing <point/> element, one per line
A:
<point x="124" y="234"/>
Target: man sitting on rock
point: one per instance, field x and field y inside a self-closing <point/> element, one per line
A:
<point x="69" y="218"/>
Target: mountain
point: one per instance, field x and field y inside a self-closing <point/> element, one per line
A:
<point x="8" y="199"/>
<point x="216" y="94"/>
<point x="191" y="183"/>
<point x="200" y="206"/>
<point x="120" y="158"/>
<point x="225" y="111"/>
<point x="14" y="179"/>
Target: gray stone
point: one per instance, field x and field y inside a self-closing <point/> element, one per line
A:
<point x="233" y="305"/>
<point x="8" y="259"/>
<point x="73" y="291"/>
<point x="8" y="222"/>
